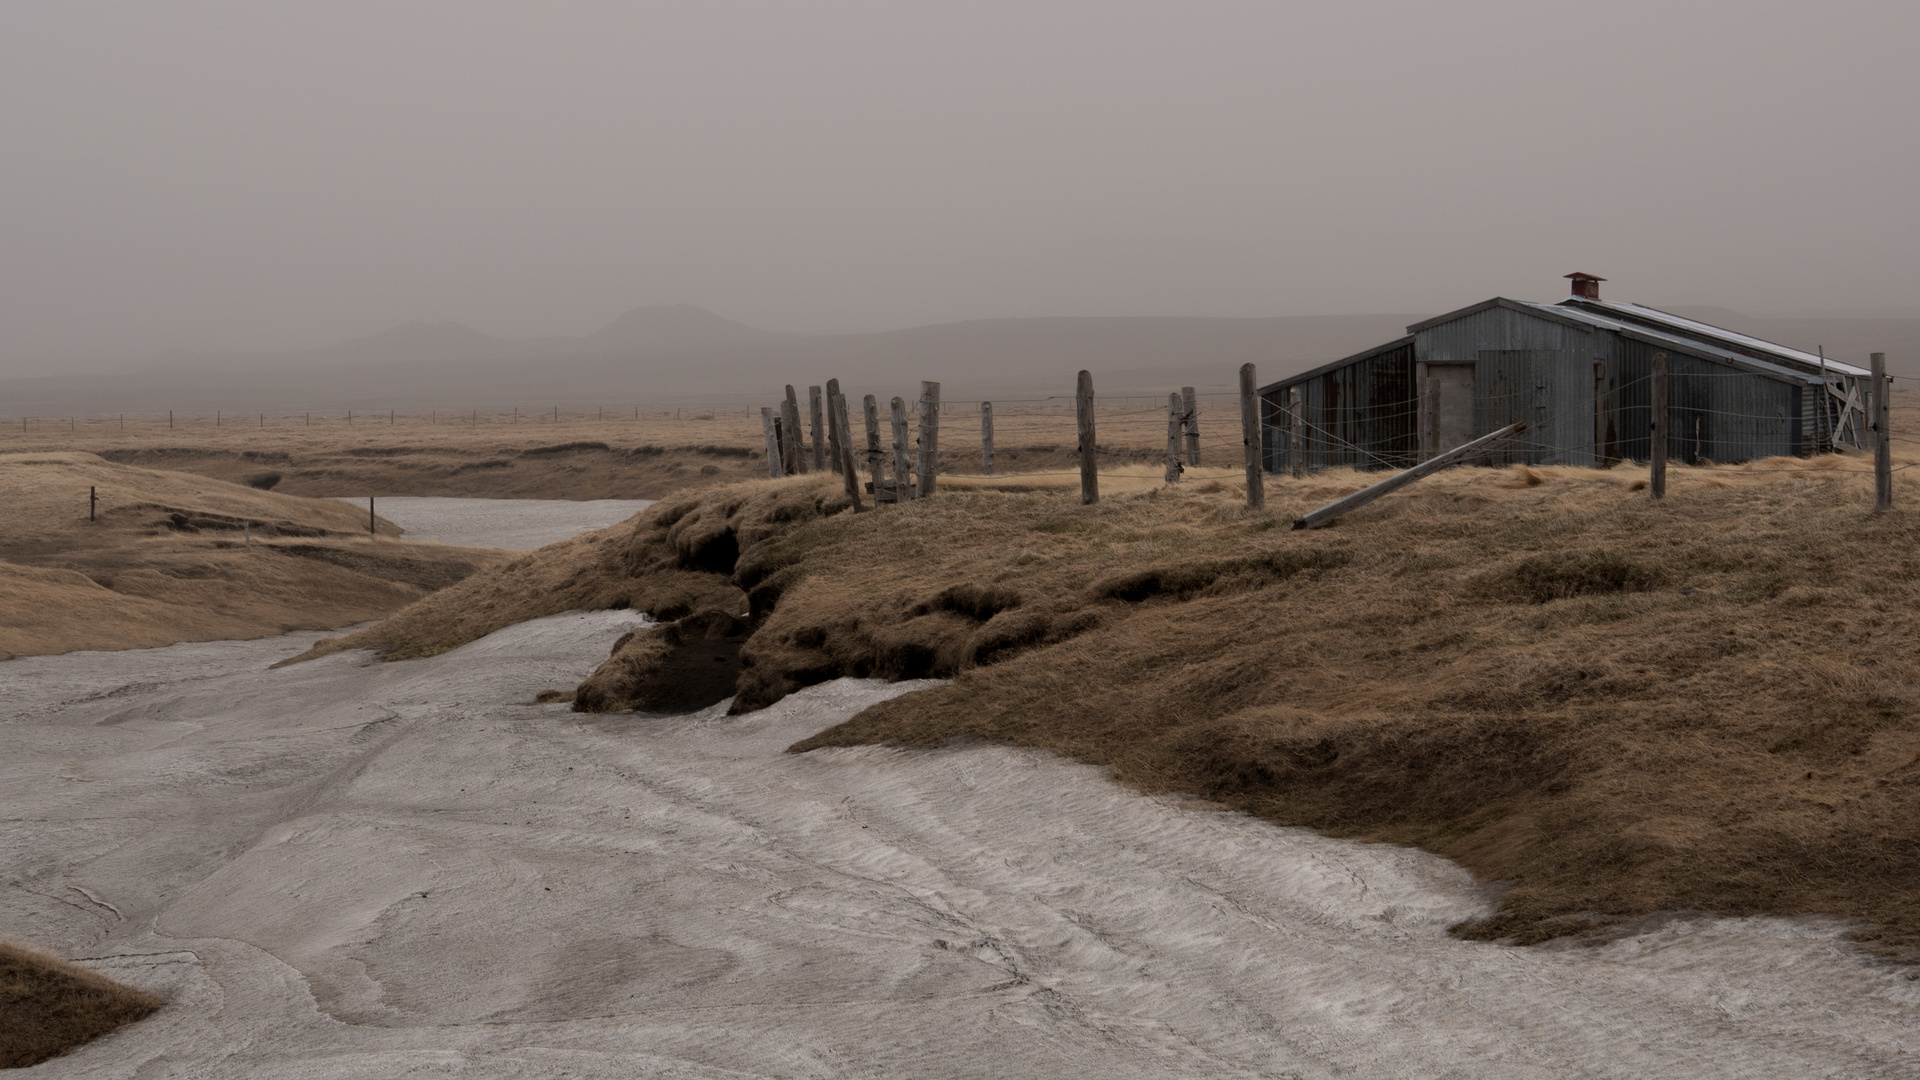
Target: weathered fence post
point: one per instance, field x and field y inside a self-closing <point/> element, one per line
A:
<point x="819" y="446"/>
<point x="929" y="435"/>
<point x="1657" y="452"/>
<point x="832" y="442"/>
<point x="902" y="471"/>
<point x="870" y="411"/>
<point x="1192" y="422"/>
<point x="986" y="438"/>
<point x="1297" y="433"/>
<point x="840" y="435"/>
<point x="1175" y="417"/>
<point x="792" y="447"/>
<point x="1250" y="436"/>
<point x="1882" y="435"/>
<point x="1083" y="411"/>
<point x="371" y="531"/>
<point x="1430" y="419"/>
<point x="767" y="423"/>
<point x="93" y="501"/>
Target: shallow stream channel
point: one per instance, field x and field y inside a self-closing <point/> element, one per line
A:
<point x="348" y="868"/>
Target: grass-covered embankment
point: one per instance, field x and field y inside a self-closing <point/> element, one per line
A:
<point x="166" y="556"/>
<point x="50" y="1006"/>
<point x="1619" y="706"/>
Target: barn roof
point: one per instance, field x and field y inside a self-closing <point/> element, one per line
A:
<point x="1637" y="322"/>
<point x="1336" y="365"/>
<point x="1640" y="313"/>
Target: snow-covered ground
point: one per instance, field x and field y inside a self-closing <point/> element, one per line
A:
<point x="515" y="524"/>
<point x="346" y="868"/>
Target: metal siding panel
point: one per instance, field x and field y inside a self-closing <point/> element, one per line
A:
<point x="1361" y="415"/>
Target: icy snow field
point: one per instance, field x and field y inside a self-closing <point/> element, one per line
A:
<point x="515" y="524"/>
<point x="354" y="869"/>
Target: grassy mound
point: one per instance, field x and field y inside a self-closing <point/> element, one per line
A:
<point x="169" y="556"/>
<point x="50" y="1006"/>
<point x="1619" y="706"/>
<point x="673" y="560"/>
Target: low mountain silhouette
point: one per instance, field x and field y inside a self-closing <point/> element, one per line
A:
<point x="643" y="330"/>
<point x="675" y="326"/>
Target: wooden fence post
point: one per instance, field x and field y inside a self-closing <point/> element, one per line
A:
<point x="929" y="435"/>
<point x="1882" y="435"/>
<point x="819" y="446"/>
<point x="986" y="438"/>
<point x="1430" y="419"/>
<point x="1297" y="433"/>
<point x="1192" y="422"/>
<point x="771" y="427"/>
<point x="1657" y="430"/>
<point x="791" y="448"/>
<point x="1083" y="411"/>
<point x="870" y="411"/>
<point x="840" y="437"/>
<point x="833" y="443"/>
<point x="1250" y="435"/>
<point x="1176" y="418"/>
<point x="902" y="471"/>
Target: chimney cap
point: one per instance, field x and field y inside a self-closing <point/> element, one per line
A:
<point x="1586" y="286"/>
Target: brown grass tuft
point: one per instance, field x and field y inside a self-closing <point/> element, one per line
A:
<point x="50" y="1006"/>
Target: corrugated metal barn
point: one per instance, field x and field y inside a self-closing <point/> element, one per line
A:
<point x="1579" y="373"/>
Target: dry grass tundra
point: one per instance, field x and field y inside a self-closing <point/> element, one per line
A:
<point x="1618" y="707"/>
<point x="166" y="559"/>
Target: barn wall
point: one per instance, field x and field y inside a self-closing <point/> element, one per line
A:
<point x="1716" y="412"/>
<point x="1526" y="368"/>
<point x="1541" y="371"/>
<point x="1364" y="414"/>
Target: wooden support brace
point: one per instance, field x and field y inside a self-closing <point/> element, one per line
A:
<point x="1326" y="514"/>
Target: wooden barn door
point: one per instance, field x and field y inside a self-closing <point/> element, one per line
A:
<point x="1454" y="423"/>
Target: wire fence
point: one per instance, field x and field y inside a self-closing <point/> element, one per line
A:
<point x="1131" y="428"/>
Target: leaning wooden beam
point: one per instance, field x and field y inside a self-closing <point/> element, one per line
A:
<point x="1399" y="480"/>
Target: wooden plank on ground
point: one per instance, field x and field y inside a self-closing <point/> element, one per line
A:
<point x="1365" y="495"/>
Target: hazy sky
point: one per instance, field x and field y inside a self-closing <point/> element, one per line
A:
<point x="280" y="175"/>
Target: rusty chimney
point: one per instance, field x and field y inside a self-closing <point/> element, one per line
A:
<point x="1586" y="286"/>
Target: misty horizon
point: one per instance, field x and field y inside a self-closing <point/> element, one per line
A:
<point x="217" y="177"/>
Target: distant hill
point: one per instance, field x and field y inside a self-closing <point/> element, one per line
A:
<point x="674" y="326"/>
<point x="642" y="330"/>
<point x="679" y="355"/>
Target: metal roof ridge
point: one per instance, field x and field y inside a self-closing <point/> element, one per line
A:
<point x="1653" y="314"/>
